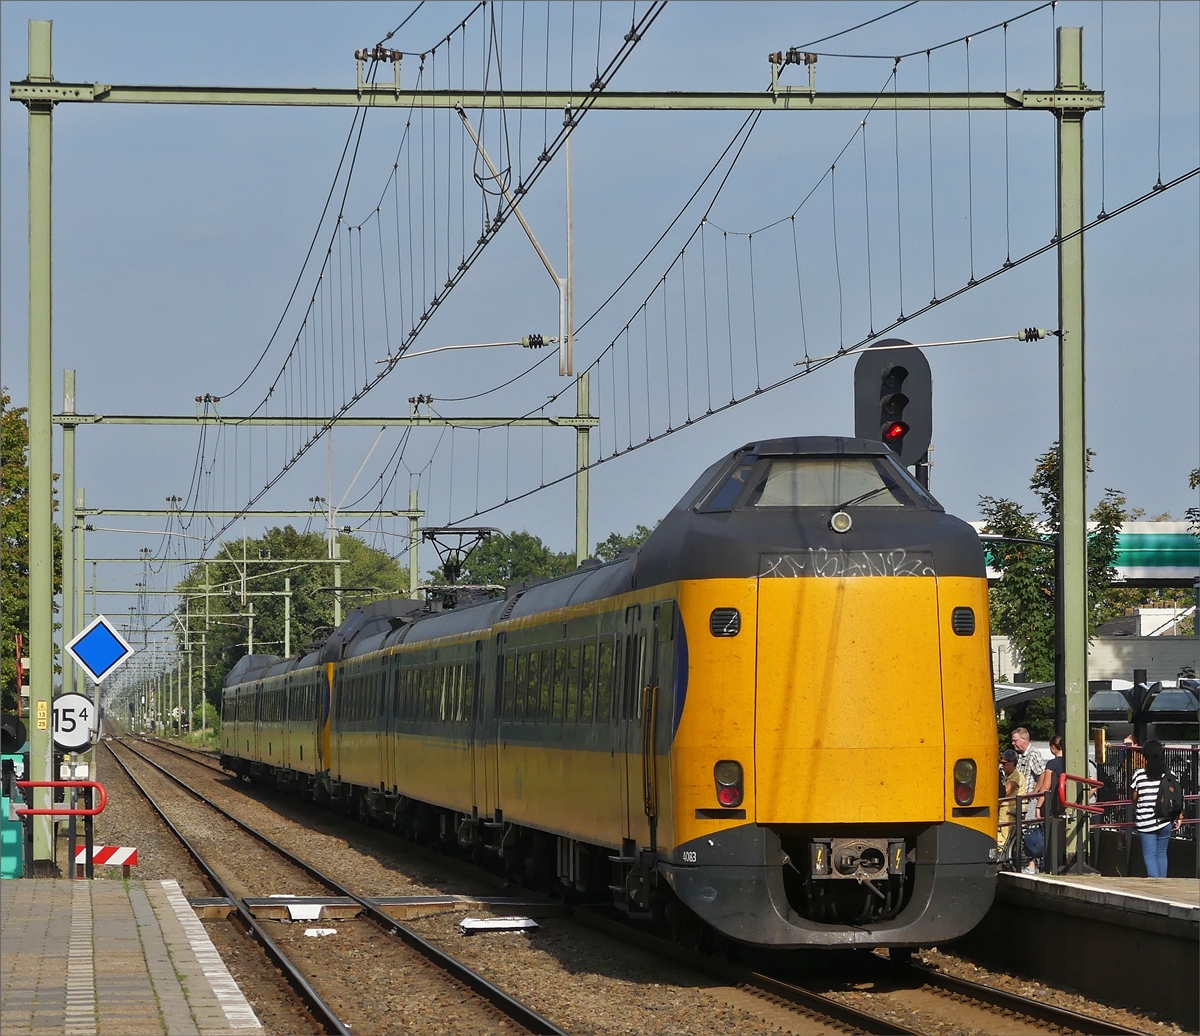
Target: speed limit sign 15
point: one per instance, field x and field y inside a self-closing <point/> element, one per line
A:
<point x="74" y="722"/>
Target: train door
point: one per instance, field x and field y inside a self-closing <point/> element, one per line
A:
<point x="484" y="743"/>
<point x="383" y="722"/>
<point x="257" y="741"/>
<point x="496" y="684"/>
<point x="629" y="733"/>
<point x="285" y="732"/>
<point x="658" y="707"/>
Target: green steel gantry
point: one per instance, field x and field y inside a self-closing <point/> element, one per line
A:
<point x="1068" y="102"/>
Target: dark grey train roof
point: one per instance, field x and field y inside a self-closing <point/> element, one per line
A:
<point x="250" y="664"/>
<point x="816" y="445"/>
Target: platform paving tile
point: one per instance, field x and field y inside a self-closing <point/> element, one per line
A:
<point x="110" y="958"/>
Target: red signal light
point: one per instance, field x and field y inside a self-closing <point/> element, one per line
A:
<point x="729" y="796"/>
<point x="894" y="432"/>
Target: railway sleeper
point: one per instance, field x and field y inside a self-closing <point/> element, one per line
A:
<point x="572" y="870"/>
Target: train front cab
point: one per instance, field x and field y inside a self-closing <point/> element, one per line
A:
<point x="847" y="701"/>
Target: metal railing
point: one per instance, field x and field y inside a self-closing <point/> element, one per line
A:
<point x="1116" y="797"/>
<point x="27" y="813"/>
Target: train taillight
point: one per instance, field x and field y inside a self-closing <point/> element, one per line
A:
<point x="730" y="783"/>
<point x="965" y="773"/>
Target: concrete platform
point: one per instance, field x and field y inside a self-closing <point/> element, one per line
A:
<point x="1131" y="941"/>
<point x="124" y="958"/>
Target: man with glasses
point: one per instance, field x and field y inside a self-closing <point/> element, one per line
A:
<point x="1035" y="778"/>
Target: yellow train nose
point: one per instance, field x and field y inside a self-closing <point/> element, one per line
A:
<point x="848" y="717"/>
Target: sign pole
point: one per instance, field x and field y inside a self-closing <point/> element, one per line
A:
<point x="68" y="526"/>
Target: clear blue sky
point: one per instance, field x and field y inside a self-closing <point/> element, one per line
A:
<point x="180" y="231"/>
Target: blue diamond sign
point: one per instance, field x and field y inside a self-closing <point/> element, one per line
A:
<point x="100" y="649"/>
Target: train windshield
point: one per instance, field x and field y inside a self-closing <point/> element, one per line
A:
<point x="841" y="481"/>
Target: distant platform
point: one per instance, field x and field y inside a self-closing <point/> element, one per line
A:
<point x="111" y="957"/>
<point x="1129" y="941"/>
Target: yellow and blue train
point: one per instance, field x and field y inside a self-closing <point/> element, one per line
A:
<point x="773" y="719"/>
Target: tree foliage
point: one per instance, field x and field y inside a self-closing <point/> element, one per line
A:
<point x="512" y="558"/>
<point x="367" y="573"/>
<point x="1022" y="603"/>
<point x="518" y="556"/>
<point x="14" y="543"/>
<point x="607" y="550"/>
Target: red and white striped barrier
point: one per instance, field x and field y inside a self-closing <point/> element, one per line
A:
<point x="123" y="856"/>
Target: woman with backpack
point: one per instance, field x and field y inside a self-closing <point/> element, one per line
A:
<point x="1155" y="792"/>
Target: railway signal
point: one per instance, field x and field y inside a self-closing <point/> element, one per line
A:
<point x="893" y="399"/>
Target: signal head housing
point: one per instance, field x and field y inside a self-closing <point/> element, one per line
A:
<point x="893" y="399"/>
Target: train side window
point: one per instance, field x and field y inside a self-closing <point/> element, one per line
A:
<point x="635" y="665"/>
<point x="560" y="685"/>
<point x="519" y="686"/>
<point x="443" y="679"/>
<point x="617" y="674"/>
<point x="509" y="685"/>
<point x="572" y="708"/>
<point x="587" y="682"/>
<point x="723" y="498"/>
<point x="469" y="693"/>
<point x="545" y="683"/>
<point x="604" y="672"/>
<point x="531" y="687"/>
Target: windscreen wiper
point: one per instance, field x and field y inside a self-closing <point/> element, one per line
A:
<point x="863" y="496"/>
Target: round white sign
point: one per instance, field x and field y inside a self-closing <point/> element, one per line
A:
<point x="74" y="721"/>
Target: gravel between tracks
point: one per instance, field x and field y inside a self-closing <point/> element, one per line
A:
<point x="589" y="983"/>
<point x="1057" y="996"/>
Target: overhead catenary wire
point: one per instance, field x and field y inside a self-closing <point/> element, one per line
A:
<point x="948" y="43"/>
<point x="819" y="364"/>
<point x="350" y="398"/>
<point x="860" y="25"/>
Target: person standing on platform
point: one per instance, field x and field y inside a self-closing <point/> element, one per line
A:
<point x="1010" y="783"/>
<point x="1154" y="831"/>
<point x="1034" y="779"/>
<point x="1055" y="769"/>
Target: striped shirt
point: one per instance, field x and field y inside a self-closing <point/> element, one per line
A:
<point x="1145" y="789"/>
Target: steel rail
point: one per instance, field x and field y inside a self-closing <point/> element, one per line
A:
<point x="310" y="996"/>
<point x="1002" y="998"/>
<point x="745" y="978"/>
<point x="507" y="1004"/>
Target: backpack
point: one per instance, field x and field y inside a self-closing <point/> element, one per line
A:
<point x="1169" y="803"/>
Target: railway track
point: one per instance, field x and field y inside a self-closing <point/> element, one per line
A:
<point x="795" y="990"/>
<point x="312" y="999"/>
<point x="909" y="976"/>
<point x="507" y="1005"/>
